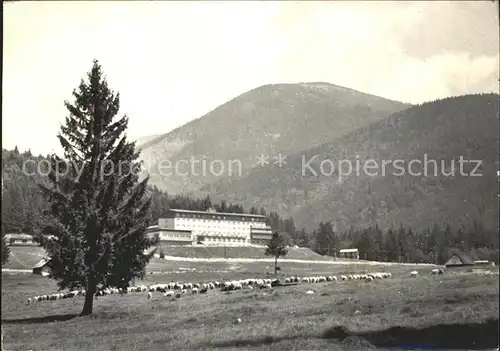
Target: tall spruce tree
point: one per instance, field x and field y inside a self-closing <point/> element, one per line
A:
<point x="99" y="209"/>
<point x="5" y="248"/>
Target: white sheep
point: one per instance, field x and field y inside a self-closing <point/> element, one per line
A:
<point x="343" y="277"/>
<point x="29" y="300"/>
<point x="310" y="292"/>
<point x="435" y="271"/>
<point x="413" y="274"/>
<point x="169" y="294"/>
<point x="194" y="291"/>
<point x="150" y="295"/>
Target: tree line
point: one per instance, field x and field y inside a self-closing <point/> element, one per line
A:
<point x="24" y="207"/>
<point x="432" y="245"/>
<point x="23" y="211"/>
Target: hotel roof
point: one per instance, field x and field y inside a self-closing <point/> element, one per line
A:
<point x="18" y="236"/>
<point x="348" y="250"/>
<point x="218" y="213"/>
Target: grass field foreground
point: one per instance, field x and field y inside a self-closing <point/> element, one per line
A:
<point x="339" y="315"/>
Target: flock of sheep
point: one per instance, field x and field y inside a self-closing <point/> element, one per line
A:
<point x="433" y="272"/>
<point x="176" y="289"/>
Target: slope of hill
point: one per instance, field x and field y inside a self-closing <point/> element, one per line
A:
<point x="294" y="253"/>
<point x="25" y="257"/>
<point x="145" y="139"/>
<point x="272" y="119"/>
<point x="443" y="130"/>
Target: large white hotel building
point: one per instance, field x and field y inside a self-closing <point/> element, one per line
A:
<point x="211" y="228"/>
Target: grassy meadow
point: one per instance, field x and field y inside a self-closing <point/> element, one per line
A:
<point x="343" y="315"/>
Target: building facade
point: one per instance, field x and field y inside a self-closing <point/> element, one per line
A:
<point x="213" y="228"/>
<point x="20" y="240"/>
<point x="171" y="236"/>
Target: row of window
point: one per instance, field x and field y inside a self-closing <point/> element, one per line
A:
<point x="218" y="217"/>
<point x="211" y="228"/>
<point x="222" y="234"/>
<point x="260" y="241"/>
<point x="175" y="235"/>
<point x="18" y="241"/>
<point x="233" y="223"/>
<point x="223" y="239"/>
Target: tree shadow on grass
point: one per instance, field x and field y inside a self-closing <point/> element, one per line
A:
<point x="254" y="342"/>
<point x="41" y="320"/>
<point x="448" y="336"/>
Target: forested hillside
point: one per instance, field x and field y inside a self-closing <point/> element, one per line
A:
<point x="23" y="207"/>
<point x="23" y="211"/>
<point x="444" y="131"/>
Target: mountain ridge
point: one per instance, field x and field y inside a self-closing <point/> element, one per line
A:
<point x="271" y="119"/>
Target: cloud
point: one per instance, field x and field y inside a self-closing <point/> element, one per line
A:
<point x="457" y="26"/>
<point x="366" y="47"/>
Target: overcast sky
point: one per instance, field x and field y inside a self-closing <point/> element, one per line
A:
<point x="175" y="61"/>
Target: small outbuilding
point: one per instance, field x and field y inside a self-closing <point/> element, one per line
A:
<point x="459" y="259"/>
<point x="41" y="268"/>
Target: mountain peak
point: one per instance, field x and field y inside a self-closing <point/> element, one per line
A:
<point x="275" y="118"/>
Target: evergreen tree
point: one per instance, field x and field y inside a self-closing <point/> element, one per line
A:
<point x="5" y="248"/>
<point x="321" y="240"/>
<point x="99" y="209"/>
<point x="365" y="245"/>
<point x="277" y="248"/>
<point x="222" y="206"/>
<point x="303" y="239"/>
<point x="379" y="247"/>
<point x="326" y="241"/>
<point x="403" y="244"/>
<point x="391" y="246"/>
<point x="432" y="246"/>
<point x="206" y="203"/>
